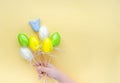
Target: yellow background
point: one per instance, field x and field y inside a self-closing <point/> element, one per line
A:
<point x="90" y="32"/>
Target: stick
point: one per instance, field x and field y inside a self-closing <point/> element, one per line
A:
<point x="45" y="79"/>
<point x="34" y="61"/>
<point x="39" y="54"/>
<point x="58" y="49"/>
<point x="47" y="61"/>
<point x="50" y="58"/>
<point x="45" y="66"/>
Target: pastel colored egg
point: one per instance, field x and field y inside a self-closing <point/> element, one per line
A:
<point x="34" y="43"/>
<point x="35" y="24"/>
<point x="43" y="32"/>
<point x="55" y="37"/>
<point x="23" y="40"/>
<point x="26" y="54"/>
<point x="47" y="45"/>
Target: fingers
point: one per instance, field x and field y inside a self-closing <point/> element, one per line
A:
<point x="43" y="69"/>
<point x="50" y="65"/>
<point x="43" y="64"/>
<point x="40" y="76"/>
<point x="37" y="64"/>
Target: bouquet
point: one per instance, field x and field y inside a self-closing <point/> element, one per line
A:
<point x="38" y="47"/>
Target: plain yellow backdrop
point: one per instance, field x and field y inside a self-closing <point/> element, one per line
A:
<point x="90" y="31"/>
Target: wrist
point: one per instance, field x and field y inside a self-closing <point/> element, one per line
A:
<point x="61" y="77"/>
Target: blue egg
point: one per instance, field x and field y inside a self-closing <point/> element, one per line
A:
<point x="35" y="24"/>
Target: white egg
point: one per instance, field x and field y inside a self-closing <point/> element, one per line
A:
<point x="43" y="32"/>
<point x="26" y="54"/>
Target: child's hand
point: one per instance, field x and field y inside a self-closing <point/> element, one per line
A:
<point x="52" y="72"/>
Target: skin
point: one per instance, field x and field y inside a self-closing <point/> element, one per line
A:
<point x="52" y="72"/>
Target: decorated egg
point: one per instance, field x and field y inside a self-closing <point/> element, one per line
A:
<point x="34" y="43"/>
<point x="47" y="45"/>
<point x="23" y="40"/>
<point x="26" y="54"/>
<point x="35" y="24"/>
<point x="43" y="32"/>
<point x="55" y="38"/>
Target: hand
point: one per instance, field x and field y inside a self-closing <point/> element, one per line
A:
<point x="52" y="72"/>
<point x="49" y="69"/>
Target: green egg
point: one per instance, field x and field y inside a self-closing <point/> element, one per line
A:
<point x="23" y="40"/>
<point x="55" y="38"/>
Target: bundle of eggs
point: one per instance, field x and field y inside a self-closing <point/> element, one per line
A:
<point x="41" y="43"/>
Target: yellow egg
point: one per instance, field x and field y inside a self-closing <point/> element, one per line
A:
<point x="34" y="43"/>
<point x="47" y="45"/>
